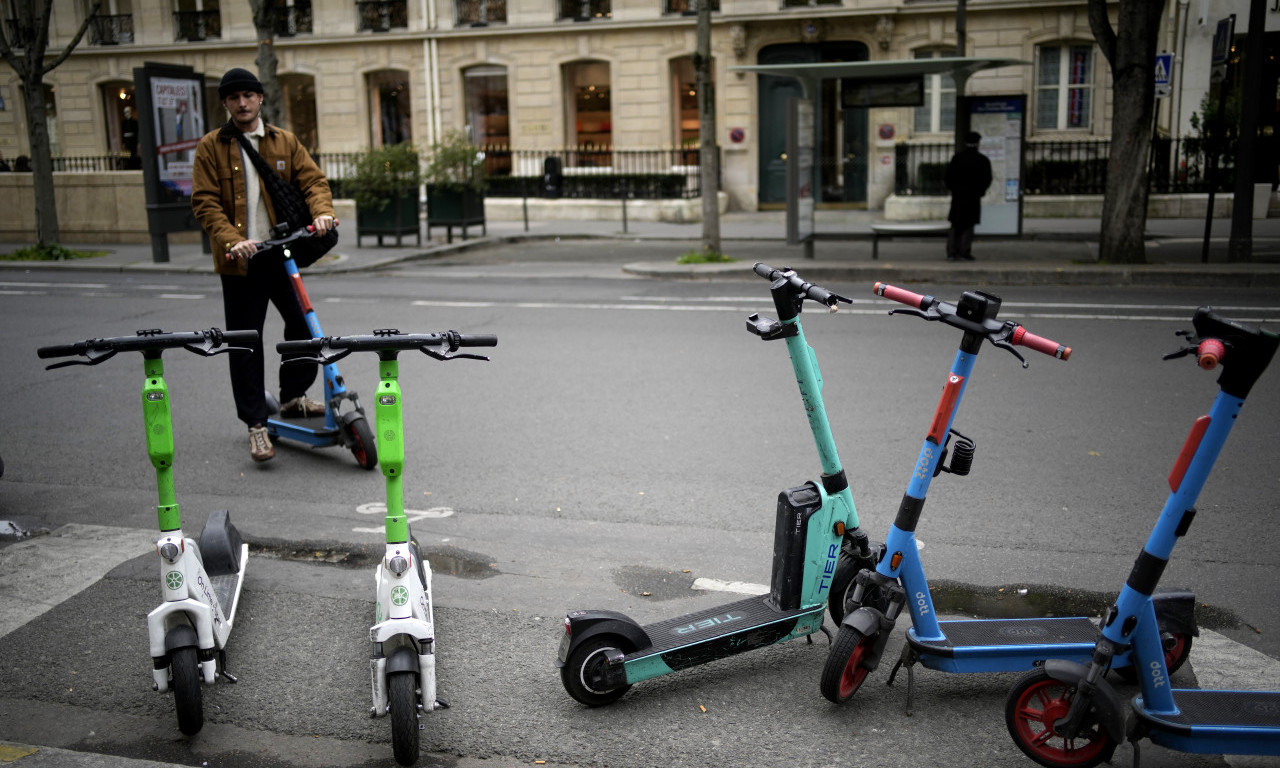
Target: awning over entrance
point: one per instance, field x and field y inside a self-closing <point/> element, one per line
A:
<point x="812" y="74"/>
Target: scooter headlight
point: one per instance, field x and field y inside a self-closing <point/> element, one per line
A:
<point x="398" y="565"/>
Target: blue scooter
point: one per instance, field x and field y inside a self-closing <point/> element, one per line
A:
<point x="343" y="422"/>
<point x="877" y="597"/>
<point x="1066" y="714"/>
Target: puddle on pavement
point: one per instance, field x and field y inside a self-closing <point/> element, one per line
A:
<point x="653" y="583"/>
<point x="450" y="561"/>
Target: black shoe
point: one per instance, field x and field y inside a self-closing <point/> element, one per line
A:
<point x="968" y="257"/>
<point x="953" y="258"/>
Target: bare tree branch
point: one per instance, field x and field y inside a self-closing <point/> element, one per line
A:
<point x="84" y="26"/>
<point x="1100" y="23"/>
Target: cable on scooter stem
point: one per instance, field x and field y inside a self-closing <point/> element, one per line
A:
<point x="805" y="289"/>
<point x="1004" y="335"/>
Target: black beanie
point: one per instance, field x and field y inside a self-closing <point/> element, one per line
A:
<point x="237" y="80"/>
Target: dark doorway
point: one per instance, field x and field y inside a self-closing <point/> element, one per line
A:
<point x="842" y="147"/>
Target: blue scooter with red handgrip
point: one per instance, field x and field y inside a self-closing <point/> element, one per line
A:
<point x="1066" y="713"/>
<point x="877" y="597"/>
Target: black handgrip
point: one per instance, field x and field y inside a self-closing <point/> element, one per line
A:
<point x="477" y="340"/>
<point x="806" y="289"/>
<point x="63" y="350"/>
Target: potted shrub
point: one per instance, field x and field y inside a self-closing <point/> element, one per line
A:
<point x="455" y="177"/>
<point x="384" y="183"/>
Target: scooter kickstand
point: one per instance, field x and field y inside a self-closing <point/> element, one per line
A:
<point x="442" y="704"/>
<point x="908" y="658"/>
<point x="830" y="637"/>
<point x="222" y="663"/>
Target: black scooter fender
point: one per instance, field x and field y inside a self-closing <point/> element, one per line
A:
<point x="1176" y="611"/>
<point x="181" y="636"/>
<point x="402" y="659"/>
<point x="584" y="625"/>
<point x="870" y="623"/>
<point x="1110" y="708"/>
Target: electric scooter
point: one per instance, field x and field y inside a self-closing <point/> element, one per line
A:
<point x="877" y="597"/>
<point x="403" y="665"/>
<point x="340" y="425"/>
<point x="817" y="549"/>
<point x="200" y="580"/>
<point x="1066" y="714"/>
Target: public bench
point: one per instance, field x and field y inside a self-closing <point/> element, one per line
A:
<point x="891" y="229"/>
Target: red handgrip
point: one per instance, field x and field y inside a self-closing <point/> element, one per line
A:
<point x="900" y="295"/>
<point x="1040" y="344"/>
<point x="1209" y="353"/>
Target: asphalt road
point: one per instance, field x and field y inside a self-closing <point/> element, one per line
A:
<point x="627" y="437"/>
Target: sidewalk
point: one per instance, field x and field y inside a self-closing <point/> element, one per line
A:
<point x="1050" y="251"/>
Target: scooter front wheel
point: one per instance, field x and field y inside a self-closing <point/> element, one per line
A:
<point x="846" y="668"/>
<point x="403" y="695"/>
<point x="185" y="669"/>
<point x="1034" y="705"/>
<point x="583" y="673"/>
<point x="1174" y="657"/>
<point x="360" y="439"/>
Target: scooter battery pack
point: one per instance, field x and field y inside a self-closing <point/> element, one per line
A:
<point x="795" y="507"/>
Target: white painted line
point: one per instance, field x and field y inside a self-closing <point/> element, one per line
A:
<point x="39" y="573"/>
<point x="53" y="285"/>
<point x="181" y="296"/>
<point x="411" y="515"/>
<point x="737" y="587"/>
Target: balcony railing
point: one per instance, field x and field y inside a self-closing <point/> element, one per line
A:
<point x="111" y="30"/>
<point x="197" y="25"/>
<point x="293" y="19"/>
<point x="382" y="15"/>
<point x="479" y="13"/>
<point x="686" y="7"/>
<point x="1074" y="167"/>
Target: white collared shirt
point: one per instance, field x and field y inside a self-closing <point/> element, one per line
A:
<point x="258" y="225"/>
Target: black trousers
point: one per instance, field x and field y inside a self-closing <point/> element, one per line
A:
<point x="244" y="302"/>
<point x="960" y="241"/>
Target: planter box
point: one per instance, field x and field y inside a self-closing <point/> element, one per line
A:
<point x="449" y="207"/>
<point x="399" y="218"/>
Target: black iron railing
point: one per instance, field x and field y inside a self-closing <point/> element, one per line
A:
<point x="1075" y="167"/>
<point x="111" y="30"/>
<point x="478" y="13"/>
<point x="197" y="25"/>
<point x="584" y="10"/>
<point x="382" y="15"/>
<point x="293" y="19"/>
<point x="686" y="7"/>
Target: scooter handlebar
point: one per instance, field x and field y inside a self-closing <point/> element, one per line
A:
<point x="389" y="341"/>
<point x="285" y="239"/>
<point x="209" y="342"/>
<point x="805" y="289"/>
<point x="1023" y="338"/>
<point x="901" y="295"/>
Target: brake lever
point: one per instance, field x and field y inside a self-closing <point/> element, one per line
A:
<point x="209" y="349"/>
<point x="920" y="313"/>
<point x="93" y="358"/>
<point x="1008" y="347"/>
<point x="1185" y="350"/>
<point x="323" y="357"/>
<point x="445" y="357"/>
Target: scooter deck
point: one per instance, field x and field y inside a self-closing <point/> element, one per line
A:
<point x="1217" y="722"/>
<point x="1001" y="645"/>
<point x="724" y="630"/>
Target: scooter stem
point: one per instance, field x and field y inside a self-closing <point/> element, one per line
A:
<point x="389" y="417"/>
<point x="159" y="426"/>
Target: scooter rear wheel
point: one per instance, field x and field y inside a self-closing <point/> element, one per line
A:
<point x="1034" y="704"/>
<point x="845" y="670"/>
<point x="360" y="438"/>
<point x="403" y="697"/>
<point x="583" y="673"/>
<point x="185" y="669"/>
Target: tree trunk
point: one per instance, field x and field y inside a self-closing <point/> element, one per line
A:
<point x="41" y="163"/>
<point x="264" y="21"/>
<point x="1130" y="50"/>
<point x="708" y="158"/>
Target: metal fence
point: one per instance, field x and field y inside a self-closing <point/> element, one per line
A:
<point x="1075" y="167"/>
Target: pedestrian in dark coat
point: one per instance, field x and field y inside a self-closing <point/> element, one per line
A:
<point x="968" y="177"/>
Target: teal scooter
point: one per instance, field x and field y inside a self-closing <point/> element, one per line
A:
<point x="200" y="580"/>
<point x="817" y="550"/>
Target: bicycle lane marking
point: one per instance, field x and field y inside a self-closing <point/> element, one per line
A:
<point x="38" y="574"/>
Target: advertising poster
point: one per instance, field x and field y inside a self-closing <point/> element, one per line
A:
<point x="178" y="125"/>
<point x="1000" y="121"/>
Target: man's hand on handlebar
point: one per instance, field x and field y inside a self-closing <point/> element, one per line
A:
<point x="323" y="224"/>
<point x="243" y="249"/>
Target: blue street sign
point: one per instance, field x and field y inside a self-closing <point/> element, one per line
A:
<point x="1163" y="74"/>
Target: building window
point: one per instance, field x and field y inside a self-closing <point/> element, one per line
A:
<point x="195" y="20"/>
<point x="808" y="3"/>
<point x="479" y="13"/>
<point x="584" y="10"/>
<point x="686" y="7"/>
<point x="113" y="25"/>
<point x="298" y="92"/>
<point x="687" y="129"/>
<point x="1064" y="87"/>
<point x="293" y="17"/>
<point x="488" y="118"/>
<point x="382" y="15"/>
<point x="389" y="107"/>
<point x="121" y="115"/>
<point x="589" y="113"/>
<point x="938" y="113"/>
<point x="51" y="119"/>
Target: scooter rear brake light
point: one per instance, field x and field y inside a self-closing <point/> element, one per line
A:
<point x="568" y="628"/>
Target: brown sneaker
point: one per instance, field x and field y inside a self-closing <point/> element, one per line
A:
<point x="260" y="447"/>
<point x="302" y="406"/>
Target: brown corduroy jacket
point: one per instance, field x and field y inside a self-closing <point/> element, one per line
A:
<point x="218" y="189"/>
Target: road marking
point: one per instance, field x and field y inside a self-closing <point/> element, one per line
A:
<point x="411" y="515"/>
<point x="33" y="284"/>
<point x="181" y="296"/>
<point x="39" y="573"/>
<point x="736" y="587"/>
